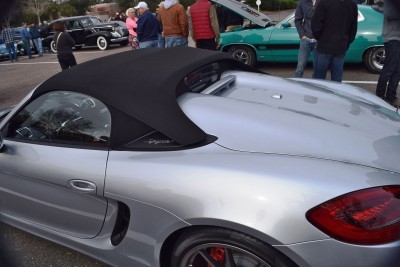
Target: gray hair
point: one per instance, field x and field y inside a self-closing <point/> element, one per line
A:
<point x="129" y="11"/>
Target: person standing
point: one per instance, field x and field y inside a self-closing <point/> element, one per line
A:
<point x="64" y="44"/>
<point x="131" y="24"/>
<point x="204" y="26"/>
<point x="26" y="39"/>
<point x="390" y="75"/>
<point x="161" y="38"/>
<point x="7" y="35"/>
<point x="35" y="36"/>
<point x="147" y="27"/>
<point x="334" y="26"/>
<point x="173" y="18"/>
<point x="302" y="20"/>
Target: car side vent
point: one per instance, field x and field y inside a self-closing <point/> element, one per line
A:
<point x="121" y="224"/>
<point x="219" y="86"/>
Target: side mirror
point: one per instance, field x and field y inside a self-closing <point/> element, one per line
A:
<point x="286" y="25"/>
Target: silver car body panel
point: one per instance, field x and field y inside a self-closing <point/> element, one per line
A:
<point x="172" y="190"/>
<point x="44" y="198"/>
<point x="360" y="131"/>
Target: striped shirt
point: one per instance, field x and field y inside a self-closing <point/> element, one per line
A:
<point x="8" y="35"/>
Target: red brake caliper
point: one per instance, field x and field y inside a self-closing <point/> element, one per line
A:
<point x="218" y="254"/>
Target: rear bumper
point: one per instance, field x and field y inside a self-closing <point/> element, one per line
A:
<point x="330" y="253"/>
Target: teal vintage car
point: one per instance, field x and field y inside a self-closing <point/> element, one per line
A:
<point x="262" y="40"/>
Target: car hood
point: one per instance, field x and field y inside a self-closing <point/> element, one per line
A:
<point x="307" y="118"/>
<point x="245" y="11"/>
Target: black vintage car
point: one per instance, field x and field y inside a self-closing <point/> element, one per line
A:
<point x="89" y="31"/>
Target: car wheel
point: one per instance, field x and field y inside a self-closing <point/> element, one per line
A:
<point x="102" y="43"/>
<point x="212" y="247"/>
<point x="244" y="54"/>
<point x="374" y="59"/>
<point x="53" y="46"/>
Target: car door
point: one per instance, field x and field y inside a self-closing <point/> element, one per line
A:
<point x="52" y="165"/>
<point x="77" y="31"/>
<point x="284" y="42"/>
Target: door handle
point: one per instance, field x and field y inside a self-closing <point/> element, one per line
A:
<point x="82" y="186"/>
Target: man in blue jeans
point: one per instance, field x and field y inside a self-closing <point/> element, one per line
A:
<point x="8" y="39"/>
<point x="390" y="75"/>
<point x="147" y="27"/>
<point x="26" y="39"/>
<point x="302" y="20"/>
<point x="334" y="25"/>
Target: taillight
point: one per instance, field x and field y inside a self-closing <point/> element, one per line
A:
<point x="368" y="217"/>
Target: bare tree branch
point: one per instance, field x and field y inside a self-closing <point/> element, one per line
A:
<point x="37" y="7"/>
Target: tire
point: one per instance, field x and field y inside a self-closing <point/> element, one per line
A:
<point x="244" y="54"/>
<point x="102" y="43"/>
<point x="53" y="47"/>
<point x="212" y="246"/>
<point x="374" y="59"/>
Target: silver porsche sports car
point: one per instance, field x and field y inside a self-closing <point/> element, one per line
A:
<point x="191" y="158"/>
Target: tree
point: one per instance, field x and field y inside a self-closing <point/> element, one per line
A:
<point x="37" y="7"/>
<point x="67" y="10"/>
<point x="82" y="6"/>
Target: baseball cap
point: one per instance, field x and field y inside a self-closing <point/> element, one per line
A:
<point x="141" y="5"/>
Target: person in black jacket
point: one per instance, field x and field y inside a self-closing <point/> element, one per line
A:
<point x="302" y="21"/>
<point x="390" y="76"/>
<point x="64" y="43"/>
<point x="334" y="26"/>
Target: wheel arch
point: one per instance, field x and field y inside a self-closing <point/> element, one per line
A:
<point x="200" y="223"/>
<point x="92" y="38"/>
<point x="365" y="54"/>
<point x="225" y="48"/>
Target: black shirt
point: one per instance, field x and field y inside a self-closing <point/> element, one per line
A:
<point x="64" y="42"/>
<point x="334" y="25"/>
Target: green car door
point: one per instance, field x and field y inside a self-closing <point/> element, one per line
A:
<point x="283" y="45"/>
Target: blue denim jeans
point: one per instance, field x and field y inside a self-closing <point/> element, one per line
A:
<point x="161" y="41"/>
<point x="305" y="49"/>
<point x="171" y="41"/>
<point x="390" y="74"/>
<point x="27" y="47"/>
<point x="11" y="51"/>
<point x="38" y="44"/>
<point x="324" y="62"/>
<point x="148" y="44"/>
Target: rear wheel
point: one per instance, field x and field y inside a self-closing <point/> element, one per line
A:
<point x="374" y="59"/>
<point x="53" y="47"/>
<point x="244" y="54"/>
<point x="217" y="247"/>
<point x="102" y="43"/>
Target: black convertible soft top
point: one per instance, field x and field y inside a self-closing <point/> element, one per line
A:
<point x="140" y="89"/>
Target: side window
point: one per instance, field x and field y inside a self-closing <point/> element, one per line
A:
<point x="86" y="21"/>
<point x="74" y="24"/>
<point x="62" y="117"/>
